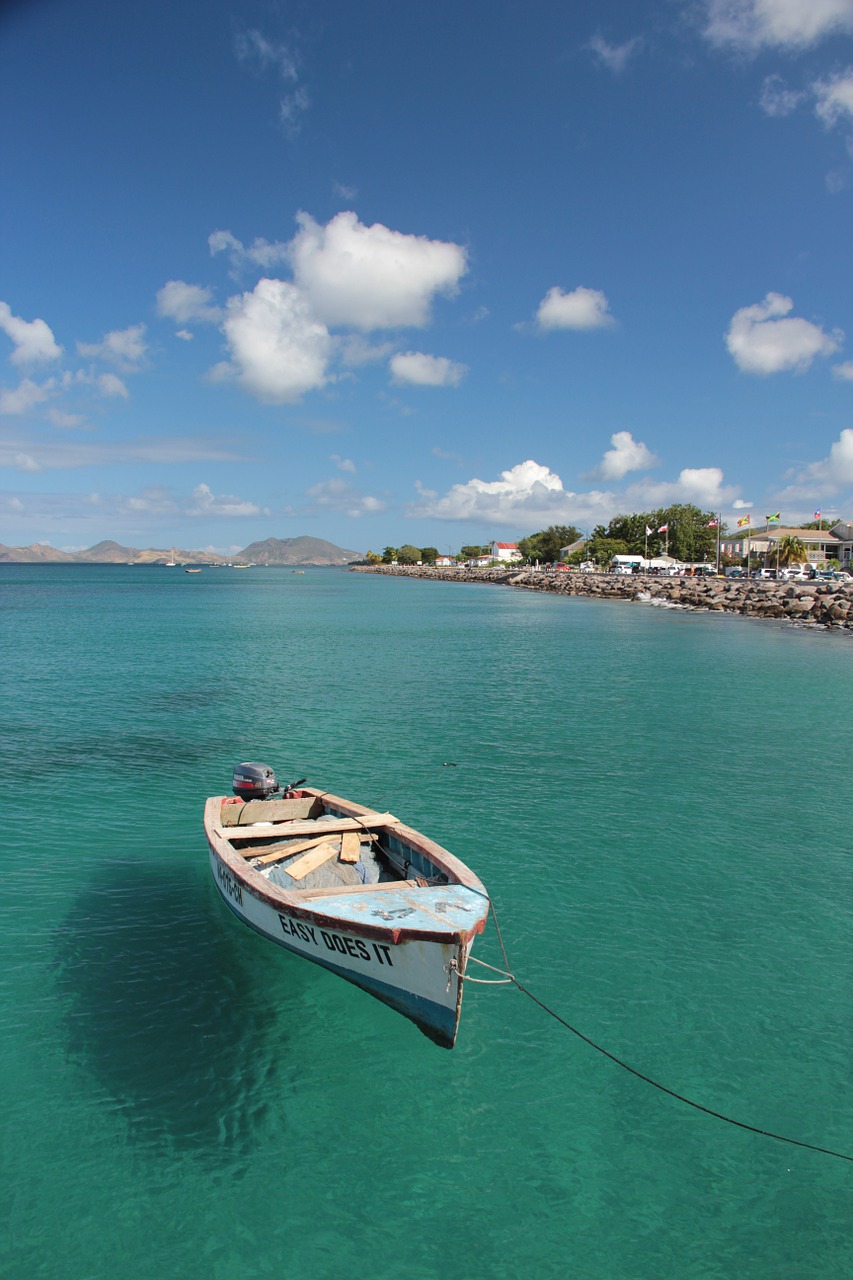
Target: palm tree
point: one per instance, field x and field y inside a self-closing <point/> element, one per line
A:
<point x="792" y="550"/>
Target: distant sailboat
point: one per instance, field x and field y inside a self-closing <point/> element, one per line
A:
<point x="172" y="564"/>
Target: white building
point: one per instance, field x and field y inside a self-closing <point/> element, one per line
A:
<point x="507" y="552"/>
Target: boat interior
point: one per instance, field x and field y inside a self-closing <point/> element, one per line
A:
<point x="301" y="843"/>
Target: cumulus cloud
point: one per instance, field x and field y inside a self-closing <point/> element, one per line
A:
<point x="626" y="454"/>
<point x="527" y="490"/>
<point x="426" y="371"/>
<point x="206" y="503"/>
<point x="834" y="95"/>
<point x="702" y="486"/>
<point x="279" y="350"/>
<point x="750" y="25"/>
<point x="615" y="56"/>
<point x="831" y="473"/>
<point x="17" y="401"/>
<point x="343" y="464"/>
<point x="844" y="371"/>
<point x="581" y="309"/>
<point x="184" y="303"/>
<point x="33" y="339"/>
<point x="125" y="348"/>
<point x="764" y="339"/>
<point x="371" y="277"/>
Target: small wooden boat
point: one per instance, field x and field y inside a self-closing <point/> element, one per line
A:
<point x="353" y="890"/>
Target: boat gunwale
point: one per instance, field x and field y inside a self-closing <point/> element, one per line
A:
<point x="307" y="909"/>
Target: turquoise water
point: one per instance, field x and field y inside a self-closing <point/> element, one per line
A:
<point x="660" y="805"/>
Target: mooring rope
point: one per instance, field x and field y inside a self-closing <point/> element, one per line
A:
<point x="509" y="977"/>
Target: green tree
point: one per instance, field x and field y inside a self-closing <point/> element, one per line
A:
<point x="602" y="549"/>
<point x="372" y="557"/>
<point x="545" y="546"/>
<point x="429" y="555"/>
<point x="471" y="553"/>
<point x="389" y="554"/>
<point x="408" y="554"/>
<point x="792" y="550"/>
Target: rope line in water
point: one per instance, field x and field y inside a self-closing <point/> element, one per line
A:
<point x="679" y="1097"/>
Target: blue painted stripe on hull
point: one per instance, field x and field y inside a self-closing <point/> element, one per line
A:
<point x="435" y="1020"/>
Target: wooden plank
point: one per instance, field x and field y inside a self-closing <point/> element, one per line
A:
<point x="350" y="846"/>
<point x="233" y="815"/>
<point x="331" y="828"/>
<point x="310" y="861"/>
<point x="308" y="895"/>
<point x="275" y="853"/>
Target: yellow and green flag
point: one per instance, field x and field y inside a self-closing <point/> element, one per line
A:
<point x="772" y="519"/>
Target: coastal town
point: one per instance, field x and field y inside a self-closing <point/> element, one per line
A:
<point x="796" y="575"/>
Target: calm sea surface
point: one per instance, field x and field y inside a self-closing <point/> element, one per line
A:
<point x="661" y="805"/>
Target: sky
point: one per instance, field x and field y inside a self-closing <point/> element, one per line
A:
<point x="431" y="273"/>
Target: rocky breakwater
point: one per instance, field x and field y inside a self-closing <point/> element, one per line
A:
<point x="826" y="604"/>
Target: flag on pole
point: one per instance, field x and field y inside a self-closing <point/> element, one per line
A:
<point x="744" y="520"/>
<point x="712" y="524"/>
<point x="817" y="515"/>
<point x="648" y="531"/>
<point x="664" y="528"/>
<point x="774" y="519"/>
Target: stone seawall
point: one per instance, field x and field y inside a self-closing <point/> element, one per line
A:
<point x="826" y="604"/>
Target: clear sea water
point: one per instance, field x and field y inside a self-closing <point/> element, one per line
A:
<point x="660" y="804"/>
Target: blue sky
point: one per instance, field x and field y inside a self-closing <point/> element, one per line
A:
<point x="430" y="273"/>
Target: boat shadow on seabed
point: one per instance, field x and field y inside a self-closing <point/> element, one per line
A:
<point x="160" y="1007"/>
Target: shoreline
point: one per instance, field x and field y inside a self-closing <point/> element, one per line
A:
<point x="818" y="604"/>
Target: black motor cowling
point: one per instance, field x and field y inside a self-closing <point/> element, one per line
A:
<point x="253" y="781"/>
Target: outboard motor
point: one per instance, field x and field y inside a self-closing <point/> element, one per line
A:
<point x="254" y="781"/>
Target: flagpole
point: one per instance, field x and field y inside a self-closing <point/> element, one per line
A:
<point x="719" y="527"/>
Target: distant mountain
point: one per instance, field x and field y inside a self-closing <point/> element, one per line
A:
<point x="296" y="551"/>
<point x="106" y="553"/>
<point x="40" y="553"/>
<point x="273" y="551"/>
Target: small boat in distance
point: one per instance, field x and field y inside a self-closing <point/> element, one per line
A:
<point x="350" y="889"/>
<point x="192" y="571"/>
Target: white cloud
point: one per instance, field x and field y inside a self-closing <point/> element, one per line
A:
<point x="615" y="56"/>
<point x="371" y="277"/>
<point x="343" y="464"/>
<point x="777" y="99"/>
<point x="844" y="371"/>
<point x="526" y="490"/>
<point x="206" y="503"/>
<point x="627" y="454"/>
<point x="184" y="302"/>
<point x="426" y="371"/>
<point x="264" y="254"/>
<point x="25" y="462"/>
<point x="278" y="349"/>
<point x="581" y="309"/>
<point x="834" y="471"/>
<point x="740" y="505"/>
<point x="750" y="25"/>
<point x="702" y="486"/>
<point x="110" y="384"/>
<point x="762" y="339"/>
<point x="125" y="348"/>
<point x="835" y="97"/>
<point x="33" y="339"/>
<point x="337" y="494"/>
<point x="21" y="399"/>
